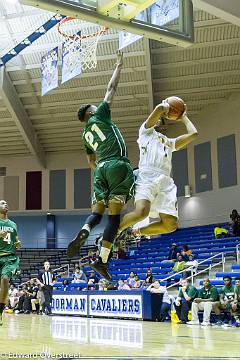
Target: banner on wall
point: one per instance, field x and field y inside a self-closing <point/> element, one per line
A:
<point x="126" y="38"/>
<point x="164" y="11"/>
<point x="69" y="304"/>
<point x="71" y="61"/>
<point x="127" y="306"/>
<point x="49" y="71"/>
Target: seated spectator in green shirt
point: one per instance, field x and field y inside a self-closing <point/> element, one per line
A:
<point x="227" y="294"/>
<point x="220" y="232"/>
<point x="236" y="302"/>
<point x="187" y="293"/>
<point x="207" y="301"/>
<point x="179" y="264"/>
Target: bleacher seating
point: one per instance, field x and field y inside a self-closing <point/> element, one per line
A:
<point x="151" y="253"/>
<point x="148" y="253"/>
<point x="31" y="261"/>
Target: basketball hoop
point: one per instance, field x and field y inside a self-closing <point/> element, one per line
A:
<point x="82" y="37"/>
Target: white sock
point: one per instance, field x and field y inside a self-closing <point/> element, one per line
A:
<point x="104" y="253"/>
<point x="86" y="227"/>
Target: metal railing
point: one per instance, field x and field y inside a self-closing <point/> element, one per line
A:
<point x="192" y="269"/>
<point x="63" y="268"/>
<point x="238" y="253"/>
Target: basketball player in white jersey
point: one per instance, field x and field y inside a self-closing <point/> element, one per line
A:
<point x="156" y="193"/>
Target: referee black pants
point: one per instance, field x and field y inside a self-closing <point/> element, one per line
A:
<point x="47" y="290"/>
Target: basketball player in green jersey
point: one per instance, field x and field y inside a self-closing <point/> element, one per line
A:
<point x="113" y="176"/>
<point x="9" y="262"/>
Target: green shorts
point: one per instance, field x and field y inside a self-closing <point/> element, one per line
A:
<point x="9" y="265"/>
<point x="113" y="179"/>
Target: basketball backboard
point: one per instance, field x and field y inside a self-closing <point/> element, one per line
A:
<point x="169" y="21"/>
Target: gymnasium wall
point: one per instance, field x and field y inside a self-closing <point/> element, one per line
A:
<point x="65" y="184"/>
<point x="209" y="165"/>
<point x="32" y="229"/>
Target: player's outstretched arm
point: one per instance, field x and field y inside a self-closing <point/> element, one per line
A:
<point x="113" y="83"/>
<point x="191" y="135"/>
<point x="160" y="109"/>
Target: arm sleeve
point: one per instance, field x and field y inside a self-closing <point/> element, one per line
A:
<point x="103" y="112"/>
<point x="180" y="294"/>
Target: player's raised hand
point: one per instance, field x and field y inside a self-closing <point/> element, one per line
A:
<point x="3" y="234"/>
<point x="119" y="58"/>
<point x="184" y="115"/>
<point x="164" y="106"/>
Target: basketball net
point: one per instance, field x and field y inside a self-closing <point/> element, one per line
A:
<point x="82" y="38"/>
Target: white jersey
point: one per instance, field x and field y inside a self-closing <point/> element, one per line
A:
<point x="155" y="150"/>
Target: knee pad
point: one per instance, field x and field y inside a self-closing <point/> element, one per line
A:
<point x="111" y="229"/>
<point x="94" y="219"/>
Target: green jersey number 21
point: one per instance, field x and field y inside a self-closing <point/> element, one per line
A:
<point x="90" y="138"/>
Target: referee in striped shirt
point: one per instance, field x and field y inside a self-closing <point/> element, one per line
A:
<point x="46" y="280"/>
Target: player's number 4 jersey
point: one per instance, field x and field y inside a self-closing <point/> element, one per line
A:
<point x="7" y="244"/>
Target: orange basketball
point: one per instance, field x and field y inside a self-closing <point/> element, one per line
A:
<point x="177" y="107"/>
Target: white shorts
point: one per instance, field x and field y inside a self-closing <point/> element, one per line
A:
<point x="160" y="190"/>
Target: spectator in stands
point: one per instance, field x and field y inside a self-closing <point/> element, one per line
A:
<point x="236" y="303"/>
<point x="79" y="276"/>
<point x="93" y="279"/>
<point x="187" y="293"/>
<point x="26" y="294"/>
<point x="173" y="253"/>
<point x="19" y="308"/>
<point x="185" y="252"/>
<point x="191" y="262"/>
<point x="227" y="294"/>
<point x="131" y="280"/>
<point x="33" y="297"/>
<point x="39" y="300"/>
<point x="236" y="227"/>
<point x="207" y="301"/>
<point x="234" y="215"/>
<point x="91" y="256"/>
<point x="149" y="278"/>
<point x="13" y="296"/>
<point x="156" y="288"/>
<point x="103" y="285"/>
<point x="137" y="283"/>
<point x="122" y="285"/>
<point x="220" y="232"/>
<point x="179" y="264"/>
